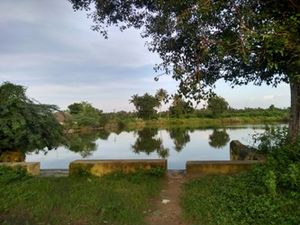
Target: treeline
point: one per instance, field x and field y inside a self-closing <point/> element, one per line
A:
<point x="148" y="107"/>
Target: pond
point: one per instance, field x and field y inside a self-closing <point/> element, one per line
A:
<point x="178" y="145"/>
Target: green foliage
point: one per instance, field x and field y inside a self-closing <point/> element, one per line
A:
<point x="12" y="174"/>
<point x="271" y="138"/>
<point x="76" y="200"/>
<point x="162" y="96"/>
<point x="217" y="105"/>
<point x="203" y="41"/>
<point x="269" y="194"/>
<point x="249" y="198"/>
<point x="180" y="107"/>
<point x="84" y="114"/>
<point x="24" y="124"/>
<point x="201" y="117"/>
<point x="145" y="105"/>
<point x="157" y="172"/>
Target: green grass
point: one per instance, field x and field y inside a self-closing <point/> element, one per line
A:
<point x="200" y="122"/>
<point x="245" y="199"/>
<point x="114" y="199"/>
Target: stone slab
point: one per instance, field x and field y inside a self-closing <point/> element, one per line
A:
<point x="32" y="168"/>
<point x="219" y="167"/>
<point x="103" y="167"/>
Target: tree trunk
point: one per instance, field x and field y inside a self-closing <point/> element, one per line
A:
<point x="294" y="124"/>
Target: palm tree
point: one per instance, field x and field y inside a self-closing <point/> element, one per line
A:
<point x="134" y="99"/>
<point x="162" y="97"/>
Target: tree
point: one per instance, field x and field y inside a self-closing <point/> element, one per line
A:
<point x="200" y="41"/>
<point x="179" y="107"/>
<point x="84" y="114"/>
<point x="145" y="105"/>
<point x="217" y="105"/>
<point x="162" y="96"/>
<point x="26" y="125"/>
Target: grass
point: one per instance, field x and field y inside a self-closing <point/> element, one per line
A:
<point x="200" y="122"/>
<point x="114" y="199"/>
<point x="240" y="200"/>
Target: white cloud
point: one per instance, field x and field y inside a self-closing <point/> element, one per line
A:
<point x="268" y="97"/>
<point x="51" y="49"/>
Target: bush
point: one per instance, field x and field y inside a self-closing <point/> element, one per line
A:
<point x="268" y="194"/>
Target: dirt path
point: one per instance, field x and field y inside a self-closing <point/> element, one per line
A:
<point x="166" y="209"/>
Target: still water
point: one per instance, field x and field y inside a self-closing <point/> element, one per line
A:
<point x="178" y="145"/>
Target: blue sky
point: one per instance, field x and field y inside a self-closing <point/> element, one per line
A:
<point x="50" y="49"/>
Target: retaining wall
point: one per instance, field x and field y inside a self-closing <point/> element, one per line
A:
<point x="219" y="167"/>
<point x="32" y="168"/>
<point x="103" y="167"/>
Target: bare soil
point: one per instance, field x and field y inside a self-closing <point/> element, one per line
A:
<point x="170" y="212"/>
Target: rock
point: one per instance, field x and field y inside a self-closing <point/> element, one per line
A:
<point x="239" y="151"/>
<point x="12" y="156"/>
<point x="165" y="201"/>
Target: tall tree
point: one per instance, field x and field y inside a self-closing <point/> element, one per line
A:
<point x="202" y="41"/>
<point x="179" y="107"/>
<point x="162" y="97"/>
<point x="26" y="125"/>
<point x="217" y="105"/>
<point x="145" y="105"/>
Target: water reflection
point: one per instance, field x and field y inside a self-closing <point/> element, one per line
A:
<point x="180" y="137"/>
<point x="177" y="144"/>
<point x="85" y="143"/>
<point x="148" y="142"/>
<point x="218" y="138"/>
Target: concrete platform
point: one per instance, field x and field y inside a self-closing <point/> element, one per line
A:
<point x="103" y="167"/>
<point x="219" y="167"/>
<point x="54" y="173"/>
<point x="32" y="168"/>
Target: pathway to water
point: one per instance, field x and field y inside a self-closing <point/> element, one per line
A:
<point x="166" y="208"/>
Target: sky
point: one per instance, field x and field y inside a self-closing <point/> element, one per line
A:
<point x="50" y="49"/>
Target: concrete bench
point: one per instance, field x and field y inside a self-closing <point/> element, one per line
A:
<point x="103" y="167"/>
<point x="32" y="168"/>
<point x="219" y="167"/>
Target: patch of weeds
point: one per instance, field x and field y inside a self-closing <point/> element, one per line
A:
<point x="11" y="174"/>
<point x="112" y="199"/>
<point x="268" y="194"/>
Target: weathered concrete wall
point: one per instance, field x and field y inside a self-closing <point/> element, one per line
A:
<point x="32" y="168"/>
<point x="102" y="167"/>
<point x="219" y="167"/>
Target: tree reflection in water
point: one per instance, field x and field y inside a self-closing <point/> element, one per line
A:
<point x="180" y="137"/>
<point x="85" y="143"/>
<point x="219" y="138"/>
<point x="147" y="142"/>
